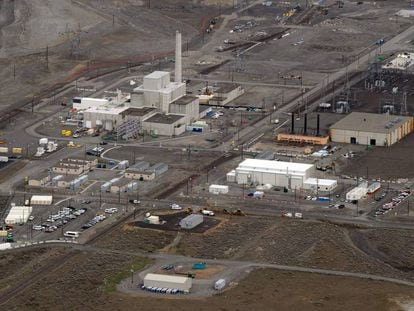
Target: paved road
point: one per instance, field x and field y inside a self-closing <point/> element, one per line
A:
<point x="278" y="85"/>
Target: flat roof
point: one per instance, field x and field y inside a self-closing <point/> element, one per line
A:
<point x="113" y="110"/>
<point x="320" y="182"/>
<point x="131" y="170"/>
<point x="166" y="278"/>
<point x="169" y="88"/>
<point x="185" y="100"/>
<point x="138" y="112"/>
<point x="156" y="75"/>
<point x="42" y="197"/>
<point x="121" y="182"/>
<point x="273" y="166"/>
<point x="203" y="107"/>
<point x="370" y="122"/>
<point x="164" y="118"/>
<point x="226" y="87"/>
<point x="68" y="165"/>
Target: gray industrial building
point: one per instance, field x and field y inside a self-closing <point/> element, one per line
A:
<point x="371" y="129"/>
<point x="139" y="175"/>
<point x="191" y="221"/>
<point x="159" y="168"/>
<point x="225" y="93"/>
<point x="165" y="124"/>
<point x="140" y="166"/>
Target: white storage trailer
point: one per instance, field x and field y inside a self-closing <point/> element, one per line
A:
<point x="41" y="200"/>
<point x="168" y="281"/>
<point x="356" y="193"/>
<point x="218" y="189"/>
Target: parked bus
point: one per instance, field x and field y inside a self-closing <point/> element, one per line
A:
<point x="71" y="234"/>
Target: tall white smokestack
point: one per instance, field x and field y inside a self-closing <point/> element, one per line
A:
<point x="178" y="66"/>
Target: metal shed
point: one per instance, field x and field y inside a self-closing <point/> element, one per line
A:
<point x="191" y="221"/>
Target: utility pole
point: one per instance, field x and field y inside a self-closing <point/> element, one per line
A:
<point x="47" y="57"/>
<point x="14" y="71"/>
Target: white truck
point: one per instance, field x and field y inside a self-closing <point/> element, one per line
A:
<point x="220" y="284"/>
<point x="207" y="212"/>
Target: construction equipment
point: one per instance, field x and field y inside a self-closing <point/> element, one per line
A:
<point x="236" y="212"/>
<point x="66" y="133"/>
<point x="9" y="238"/>
<point x="189" y="210"/>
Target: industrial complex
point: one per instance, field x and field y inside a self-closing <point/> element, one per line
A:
<point x="206" y="155"/>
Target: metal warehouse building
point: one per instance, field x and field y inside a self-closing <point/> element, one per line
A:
<point x="371" y="129"/>
<point x="276" y="173"/>
<point x="168" y="281"/>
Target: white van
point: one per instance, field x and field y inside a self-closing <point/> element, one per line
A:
<point x="72" y="234"/>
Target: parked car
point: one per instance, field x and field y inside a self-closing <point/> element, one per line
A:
<point x="176" y="206"/>
<point x="111" y="210"/>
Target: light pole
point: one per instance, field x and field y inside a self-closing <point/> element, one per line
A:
<point x="132" y="276"/>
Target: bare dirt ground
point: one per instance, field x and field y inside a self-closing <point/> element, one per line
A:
<point x="18" y="266"/>
<point x="131" y="238"/>
<point x="80" y="284"/>
<point x="303" y="243"/>
<point x="386" y="163"/>
<point x="79" y="35"/>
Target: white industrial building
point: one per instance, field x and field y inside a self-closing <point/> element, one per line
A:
<point x="318" y="184"/>
<point x="281" y="174"/>
<point x="371" y="129"/>
<point x="159" y="106"/>
<point x="358" y="192"/>
<point x="168" y="281"/>
<point x="41" y="200"/>
<point x="276" y="173"/>
<point x="18" y="215"/>
<point x="83" y="103"/>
